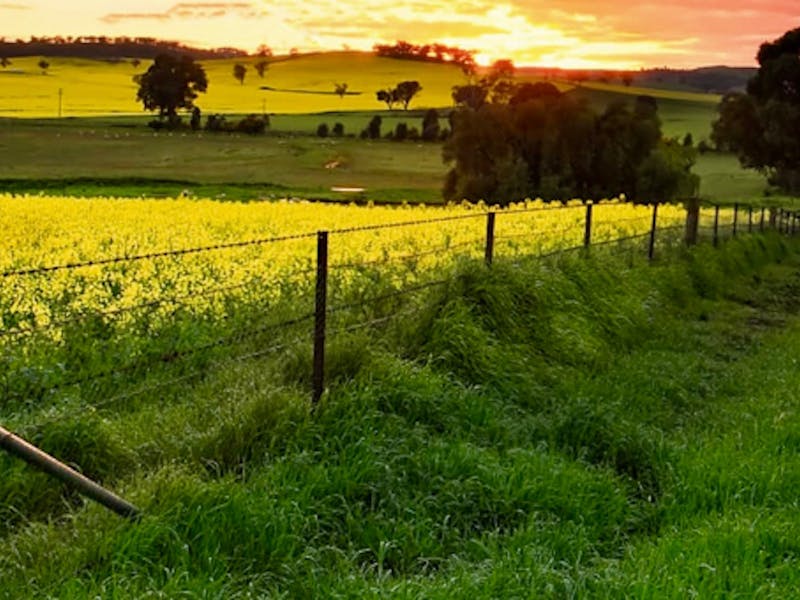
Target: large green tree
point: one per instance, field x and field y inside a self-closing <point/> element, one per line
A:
<point x="172" y="83"/>
<point x="762" y="126"/>
<point x="543" y="143"/>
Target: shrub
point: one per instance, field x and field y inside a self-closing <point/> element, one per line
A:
<point x="338" y="130"/>
<point x="194" y="122"/>
<point x="322" y="130"/>
<point x="216" y="123"/>
<point x="374" y="128"/>
<point x="253" y="124"/>
<point x="400" y="132"/>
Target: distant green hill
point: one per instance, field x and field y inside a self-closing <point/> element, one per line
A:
<point x="714" y="80"/>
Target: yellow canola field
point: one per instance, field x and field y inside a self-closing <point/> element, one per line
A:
<point x="95" y="87"/>
<point x="44" y="232"/>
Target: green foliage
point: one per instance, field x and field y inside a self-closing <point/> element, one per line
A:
<point x="544" y="144"/>
<point x="667" y="173"/>
<point x="760" y="126"/>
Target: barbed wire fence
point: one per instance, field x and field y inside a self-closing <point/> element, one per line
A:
<point x="139" y="326"/>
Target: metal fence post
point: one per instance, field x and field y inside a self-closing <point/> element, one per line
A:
<point x="651" y="249"/>
<point x="321" y="300"/>
<point x="587" y="232"/>
<point x="36" y="457"/>
<point x="489" y="238"/>
<point x="716" y="225"/>
<point x="735" y="217"/>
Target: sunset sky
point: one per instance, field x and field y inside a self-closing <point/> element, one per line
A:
<point x="566" y="33"/>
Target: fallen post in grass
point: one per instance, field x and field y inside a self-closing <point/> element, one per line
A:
<point x="36" y="457"/>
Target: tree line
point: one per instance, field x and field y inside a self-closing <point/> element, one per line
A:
<point x="108" y="48"/>
<point x="428" y="52"/>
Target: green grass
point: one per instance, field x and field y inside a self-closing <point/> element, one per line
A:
<point x="580" y="427"/>
<point x="121" y="157"/>
<point x="106" y="157"/>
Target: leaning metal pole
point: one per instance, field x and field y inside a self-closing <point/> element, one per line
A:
<point x="32" y="455"/>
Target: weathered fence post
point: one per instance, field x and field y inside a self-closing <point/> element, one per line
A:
<point x="36" y="457"/>
<point x="749" y="219"/>
<point x="489" y="238"/>
<point x="692" y="220"/>
<point x="651" y="249"/>
<point x="735" y="217"/>
<point x="772" y="218"/>
<point x="716" y="225"/>
<point x="587" y="231"/>
<point x="321" y="309"/>
<point x="761" y="224"/>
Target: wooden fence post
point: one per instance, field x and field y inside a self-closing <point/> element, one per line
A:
<point x="320" y="314"/>
<point x="651" y="249"/>
<point x="587" y="231"/>
<point x="749" y="219"/>
<point x="761" y="224"/>
<point x="489" y="256"/>
<point x="735" y="217"/>
<point x="716" y="225"/>
<point x="692" y="220"/>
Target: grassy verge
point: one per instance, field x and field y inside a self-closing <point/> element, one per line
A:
<point x="580" y="427"/>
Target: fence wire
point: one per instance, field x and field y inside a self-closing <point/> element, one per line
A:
<point x="194" y="333"/>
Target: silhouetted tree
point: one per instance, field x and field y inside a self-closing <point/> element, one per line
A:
<point x="43" y="65"/>
<point x="373" y="130"/>
<point x="264" y="51"/>
<point x="194" y="122"/>
<point x="261" y="67"/>
<point x="171" y="83"/>
<point x="239" y="72"/>
<point x="388" y="96"/>
<point x="4" y="62"/>
<point x="430" y="125"/>
<point x="340" y="89"/>
<point x="135" y="63"/>
<point x="472" y="95"/>
<point x="406" y="90"/>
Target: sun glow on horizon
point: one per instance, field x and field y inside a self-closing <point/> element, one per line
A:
<point x="559" y="33"/>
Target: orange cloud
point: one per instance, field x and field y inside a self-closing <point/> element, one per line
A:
<point x="184" y="10"/>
